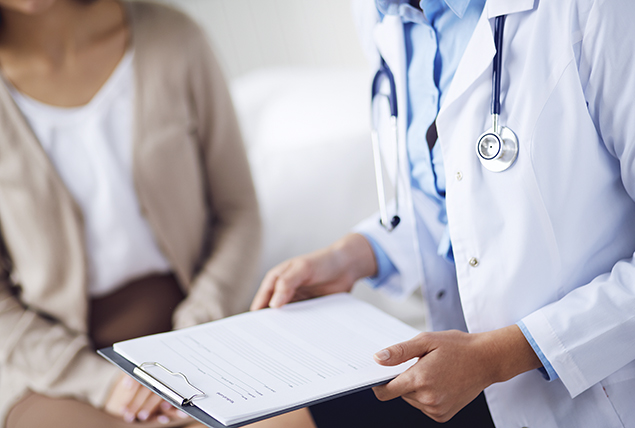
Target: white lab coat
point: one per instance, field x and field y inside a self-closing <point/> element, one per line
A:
<point x="551" y="239"/>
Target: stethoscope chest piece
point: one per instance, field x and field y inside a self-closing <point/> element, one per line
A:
<point x="497" y="149"/>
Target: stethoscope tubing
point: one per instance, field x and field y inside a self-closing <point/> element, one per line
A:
<point x="497" y="148"/>
<point x="499" y="27"/>
<point x="385" y="72"/>
<point x="504" y="139"/>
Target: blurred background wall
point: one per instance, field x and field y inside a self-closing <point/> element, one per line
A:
<point x="251" y="34"/>
<point x="301" y="87"/>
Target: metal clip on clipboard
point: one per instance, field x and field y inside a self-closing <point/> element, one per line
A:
<point x="168" y="391"/>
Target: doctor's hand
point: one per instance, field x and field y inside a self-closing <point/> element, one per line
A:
<point x="330" y="270"/>
<point x="454" y="367"/>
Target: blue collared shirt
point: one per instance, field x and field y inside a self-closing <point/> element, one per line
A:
<point x="435" y="38"/>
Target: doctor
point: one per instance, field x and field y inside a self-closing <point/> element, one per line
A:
<point x="528" y="271"/>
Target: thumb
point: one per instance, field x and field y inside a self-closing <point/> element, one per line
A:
<point x="404" y="351"/>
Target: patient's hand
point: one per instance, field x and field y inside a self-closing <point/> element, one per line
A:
<point x="131" y="401"/>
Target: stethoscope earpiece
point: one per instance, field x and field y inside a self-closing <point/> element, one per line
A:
<point x="393" y="223"/>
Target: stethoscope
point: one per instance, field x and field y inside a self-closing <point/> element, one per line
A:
<point x="385" y="73"/>
<point x="496" y="148"/>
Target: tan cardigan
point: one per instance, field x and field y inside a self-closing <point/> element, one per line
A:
<point x="194" y="187"/>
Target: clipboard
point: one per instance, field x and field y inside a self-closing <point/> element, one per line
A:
<point x="186" y="402"/>
<point x="165" y="392"/>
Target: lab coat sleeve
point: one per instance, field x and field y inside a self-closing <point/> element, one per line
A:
<point x="590" y="333"/>
<point x="412" y="246"/>
<point x="546" y="370"/>
<point x="397" y="246"/>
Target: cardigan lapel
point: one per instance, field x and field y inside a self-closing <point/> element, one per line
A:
<point x="20" y="139"/>
<point x="42" y="224"/>
<point x="149" y="162"/>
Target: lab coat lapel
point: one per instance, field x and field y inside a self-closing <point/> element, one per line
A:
<point x="481" y="49"/>
<point x="477" y="58"/>
<point x="495" y="8"/>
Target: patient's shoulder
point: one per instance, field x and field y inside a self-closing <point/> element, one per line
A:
<point x="163" y="25"/>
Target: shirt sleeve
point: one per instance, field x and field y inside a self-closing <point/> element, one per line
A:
<point x="385" y="267"/>
<point x="547" y="369"/>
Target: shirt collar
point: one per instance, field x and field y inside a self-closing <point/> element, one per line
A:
<point x="403" y="8"/>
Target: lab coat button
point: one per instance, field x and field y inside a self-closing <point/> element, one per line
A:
<point x="459" y="176"/>
<point x="473" y="262"/>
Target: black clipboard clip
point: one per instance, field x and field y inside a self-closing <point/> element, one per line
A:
<point x="169" y="392"/>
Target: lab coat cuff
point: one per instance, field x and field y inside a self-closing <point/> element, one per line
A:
<point x="555" y="351"/>
<point x="547" y="369"/>
<point x="385" y="267"/>
<point x="400" y="283"/>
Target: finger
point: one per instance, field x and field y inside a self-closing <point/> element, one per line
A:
<point x="130" y="414"/>
<point x="393" y="389"/>
<point x="123" y="392"/>
<point x="265" y="291"/>
<point x="172" y="412"/>
<point x="416" y="381"/>
<point x="149" y="408"/>
<point x="295" y="275"/>
<point x="262" y="298"/>
<point x="413" y="380"/>
<point x="404" y="351"/>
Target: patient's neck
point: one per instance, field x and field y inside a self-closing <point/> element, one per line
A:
<point x="63" y="55"/>
<point x="66" y="26"/>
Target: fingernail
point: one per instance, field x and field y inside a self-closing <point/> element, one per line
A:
<point x="181" y="414"/>
<point x="128" y="382"/>
<point x="276" y="301"/>
<point x="162" y="419"/>
<point x="382" y="355"/>
<point x="143" y="415"/>
<point x="129" y="417"/>
<point x="165" y="406"/>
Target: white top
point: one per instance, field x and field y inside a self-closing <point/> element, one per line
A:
<point x="91" y="149"/>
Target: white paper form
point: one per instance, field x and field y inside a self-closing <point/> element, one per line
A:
<point x="257" y="363"/>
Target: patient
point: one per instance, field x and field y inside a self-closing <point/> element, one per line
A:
<point x="126" y="203"/>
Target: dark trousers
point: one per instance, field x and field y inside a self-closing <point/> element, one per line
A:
<point x="362" y="409"/>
